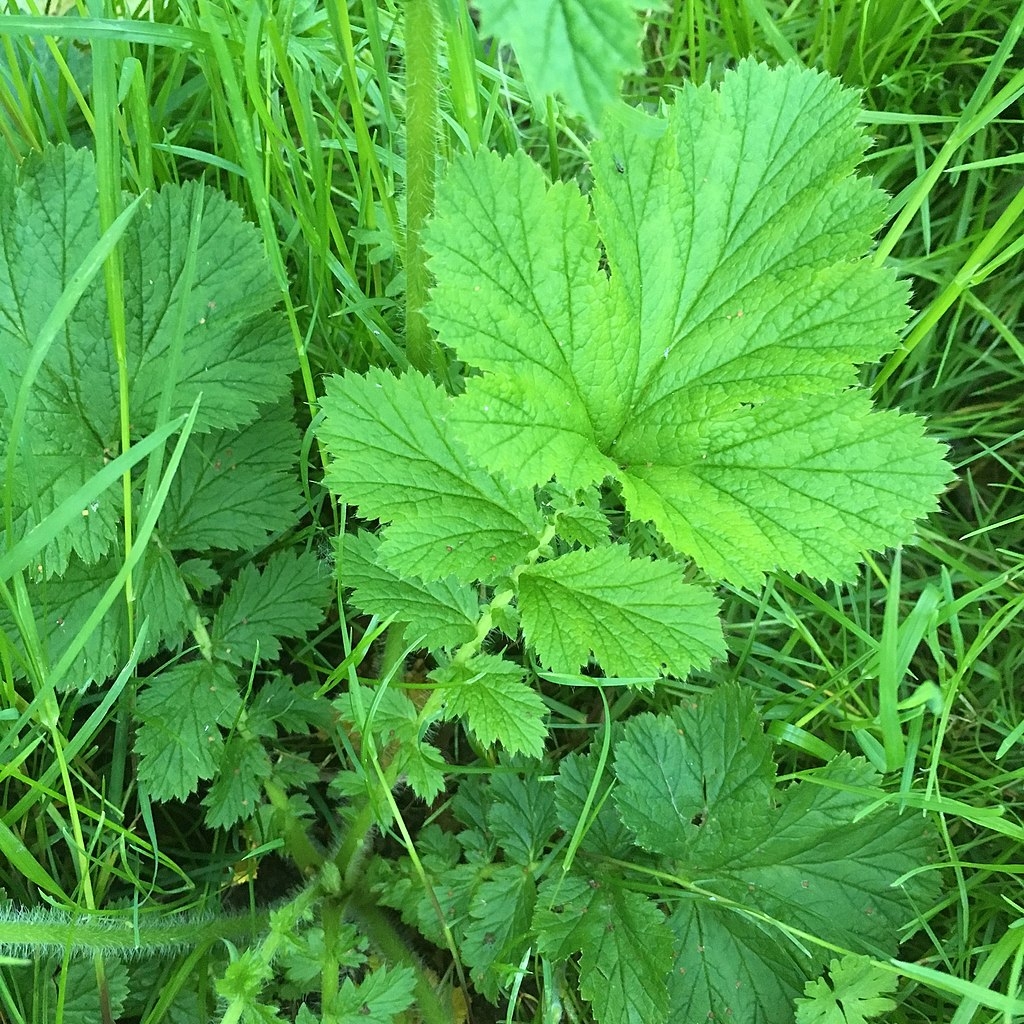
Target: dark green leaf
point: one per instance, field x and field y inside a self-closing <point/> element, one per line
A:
<point x="286" y="600"/>
<point x="181" y="712"/>
<point x="237" y="788"/>
<point x="234" y="487"/>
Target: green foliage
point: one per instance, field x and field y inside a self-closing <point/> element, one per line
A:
<point x="856" y="994"/>
<point x="683" y="341"/>
<point x="579" y="48"/>
<point x="198" y="295"/>
<point x="759" y="881"/>
<point x="153" y="650"/>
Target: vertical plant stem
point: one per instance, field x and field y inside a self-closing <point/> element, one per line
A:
<point x="421" y="56"/>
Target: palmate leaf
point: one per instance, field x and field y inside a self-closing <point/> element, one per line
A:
<point x="719" y="773"/>
<point x="236" y="790"/>
<point x="234" y="487"/>
<point x="231" y="488"/>
<point x="395" y="720"/>
<point x="182" y="711"/>
<point x="709" y="368"/>
<point x="579" y="48"/>
<point x="520" y="813"/>
<point x="625" y="943"/>
<point x="697" y="787"/>
<point x="287" y="599"/>
<point x="856" y="994"/>
<point x="61" y="608"/>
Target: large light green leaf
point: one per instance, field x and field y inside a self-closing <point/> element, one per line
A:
<point x="535" y="311"/>
<point x="694" y="329"/>
<point x="800" y="486"/>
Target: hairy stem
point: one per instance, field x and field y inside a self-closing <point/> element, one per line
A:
<point x="31" y="934"/>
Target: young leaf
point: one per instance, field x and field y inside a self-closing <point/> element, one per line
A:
<point x="286" y="600"/>
<point x="179" y="739"/>
<point x="395" y="720"/>
<point x="712" y="369"/>
<point x="637" y="616"/>
<point x="856" y="994"/>
<point x="579" y="516"/>
<point x="285" y="704"/>
<point x="580" y="48"/>
<point x="520" y="815"/>
<point x="378" y="998"/>
<point x="498" y="706"/>
<point x="496" y="934"/>
<point x="442" y="613"/>
<point x="399" y="460"/>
